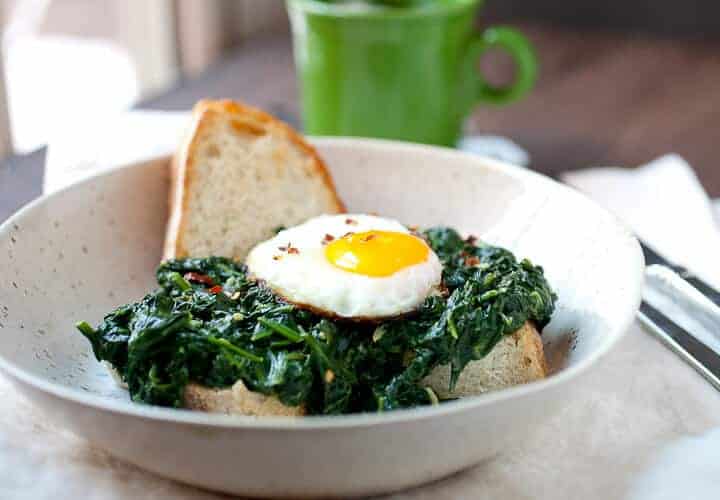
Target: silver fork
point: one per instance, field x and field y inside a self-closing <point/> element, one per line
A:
<point x="684" y="296"/>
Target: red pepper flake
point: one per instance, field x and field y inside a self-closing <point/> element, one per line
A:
<point x="471" y="240"/>
<point x="369" y="237"/>
<point x="472" y="261"/>
<point x="351" y="222"/>
<point x="327" y="239"/>
<point x="289" y="249"/>
<point x="215" y="290"/>
<point x="349" y="233"/>
<point x="199" y="278"/>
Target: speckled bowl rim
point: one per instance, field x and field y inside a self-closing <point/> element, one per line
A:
<point x="354" y="420"/>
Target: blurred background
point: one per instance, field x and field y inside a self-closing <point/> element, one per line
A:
<point x="621" y="80"/>
<point x="76" y="59"/>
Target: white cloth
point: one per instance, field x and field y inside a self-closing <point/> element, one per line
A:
<point x="631" y="432"/>
<point x="688" y="468"/>
<point x="664" y="203"/>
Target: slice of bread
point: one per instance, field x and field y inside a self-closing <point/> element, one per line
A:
<point x="517" y="359"/>
<point x="239" y="175"/>
<point x="237" y="400"/>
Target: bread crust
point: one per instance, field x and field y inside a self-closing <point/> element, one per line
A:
<point x="518" y="358"/>
<point x="183" y="163"/>
<point x="237" y="400"/>
<point x="522" y="349"/>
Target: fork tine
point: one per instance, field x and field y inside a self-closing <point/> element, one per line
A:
<point x="703" y="359"/>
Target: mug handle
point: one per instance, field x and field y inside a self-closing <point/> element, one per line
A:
<point x="519" y="49"/>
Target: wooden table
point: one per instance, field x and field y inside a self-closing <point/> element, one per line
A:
<point x="602" y="98"/>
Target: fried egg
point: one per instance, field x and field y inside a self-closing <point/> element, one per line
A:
<point x="348" y="266"/>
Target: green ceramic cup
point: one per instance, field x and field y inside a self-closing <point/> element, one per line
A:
<point x="400" y="73"/>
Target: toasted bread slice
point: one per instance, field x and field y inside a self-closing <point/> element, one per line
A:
<point x="239" y="175"/>
<point x="237" y="400"/>
<point x="517" y="359"/>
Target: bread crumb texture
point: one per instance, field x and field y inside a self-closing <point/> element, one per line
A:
<point x="241" y="175"/>
<point x="237" y="400"/>
<point x="517" y="359"/>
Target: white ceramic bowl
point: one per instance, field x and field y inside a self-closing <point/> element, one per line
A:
<point x="79" y="253"/>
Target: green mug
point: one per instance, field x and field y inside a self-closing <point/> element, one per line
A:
<point x="407" y="73"/>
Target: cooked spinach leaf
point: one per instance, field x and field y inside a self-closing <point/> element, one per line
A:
<point x="208" y="323"/>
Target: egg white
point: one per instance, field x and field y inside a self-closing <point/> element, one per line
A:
<point x="305" y="277"/>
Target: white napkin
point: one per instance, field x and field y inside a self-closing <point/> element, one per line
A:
<point x="689" y="468"/>
<point x="664" y="203"/>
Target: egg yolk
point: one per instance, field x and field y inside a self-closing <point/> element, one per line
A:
<point x="376" y="253"/>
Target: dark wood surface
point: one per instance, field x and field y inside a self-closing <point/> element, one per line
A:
<point x="617" y="100"/>
<point x="668" y="17"/>
<point x="602" y="98"/>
